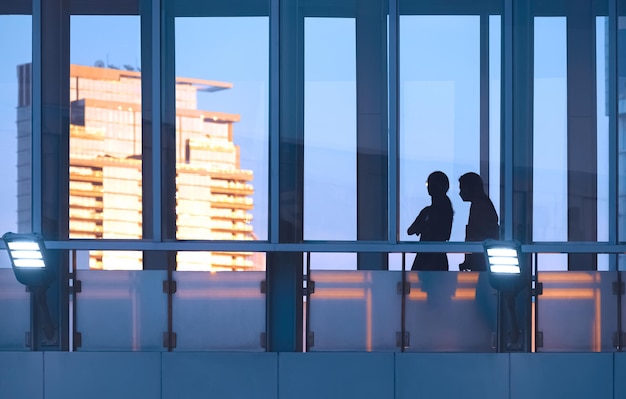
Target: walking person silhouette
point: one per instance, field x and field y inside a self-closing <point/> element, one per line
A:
<point x="483" y="219"/>
<point x="434" y="223"/>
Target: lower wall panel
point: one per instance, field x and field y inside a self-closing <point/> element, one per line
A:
<point x="181" y="375"/>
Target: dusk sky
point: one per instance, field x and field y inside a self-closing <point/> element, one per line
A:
<point x="439" y="110"/>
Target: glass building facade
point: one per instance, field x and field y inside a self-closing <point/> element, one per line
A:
<point x="159" y="140"/>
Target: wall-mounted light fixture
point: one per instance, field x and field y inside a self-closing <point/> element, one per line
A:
<point x="504" y="266"/>
<point x="27" y="253"/>
<point x="507" y="274"/>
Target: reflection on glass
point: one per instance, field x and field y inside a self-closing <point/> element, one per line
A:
<point x="122" y="310"/>
<point x="105" y="134"/>
<point x="439" y="111"/>
<point x="330" y="129"/>
<point x="495" y="88"/>
<point x="218" y="311"/>
<point x="222" y="134"/>
<point x="15" y="126"/>
<point x="333" y="261"/>
<point x="550" y="131"/>
<point x="602" y="120"/>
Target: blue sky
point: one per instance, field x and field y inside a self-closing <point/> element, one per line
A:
<point x="439" y="113"/>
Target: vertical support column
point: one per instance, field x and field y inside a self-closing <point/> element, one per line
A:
<point x="522" y="139"/>
<point x="394" y="120"/>
<point x="518" y="144"/>
<point x="372" y="129"/>
<point x="158" y="131"/>
<point x="51" y="78"/>
<point x="284" y="269"/>
<point x="613" y="132"/>
<point x="582" y="224"/>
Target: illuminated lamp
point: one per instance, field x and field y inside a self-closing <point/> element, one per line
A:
<point x="27" y="253"/>
<point x="504" y="266"/>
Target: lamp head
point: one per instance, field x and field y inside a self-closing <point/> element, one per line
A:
<point x="504" y="265"/>
<point x="27" y="253"/>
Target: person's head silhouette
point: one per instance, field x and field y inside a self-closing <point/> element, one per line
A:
<point x="438" y="184"/>
<point x="471" y="187"/>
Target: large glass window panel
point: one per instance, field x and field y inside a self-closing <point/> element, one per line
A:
<point x="14" y="310"/>
<point x="15" y="123"/>
<point x="440" y="111"/>
<point x="330" y="164"/>
<point x="219" y="311"/>
<point x="550" y="130"/>
<point x="105" y="164"/>
<point x="222" y="108"/>
<point x="577" y="312"/>
<point x="571" y="134"/>
<point x="121" y="310"/>
<point x="495" y="89"/>
<point x="450" y="312"/>
<point x="602" y="120"/>
<point x="355" y="311"/>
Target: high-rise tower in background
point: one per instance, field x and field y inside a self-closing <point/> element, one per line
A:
<point x="214" y="195"/>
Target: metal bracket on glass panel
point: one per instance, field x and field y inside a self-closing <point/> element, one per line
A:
<point x="169" y="287"/>
<point x="169" y="340"/>
<point x="618" y="288"/>
<point x="263" y="287"/>
<point x="78" y="340"/>
<point x="76" y="287"/>
<point x="403" y="289"/>
<point x="310" y="339"/>
<point x="28" y="337"/>
<point x="263" y="340"/>
<point x="309" y="289"/>
<point x="539" y="339"/>
<point x="538" y="290"/>
<point x="403" y="340"/>
<point x="619" y="339"/>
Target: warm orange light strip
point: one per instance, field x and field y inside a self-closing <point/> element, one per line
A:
<point x="533" y="328"/>
<point x="238" y="293"/>
<point x="336" y="293"/>
<point x="568" y="293"/>
<point x="368" y="321"/>
<point x="136" y="324"/>
<point x="105" y="294"/>
<point x="467" y="277"/>
<point x="415" y="295"/>
<point x="565" y="277"/>
<point x="338" y="277"/>
<point x="597" y="328"/>
<point x="464" y="294"/>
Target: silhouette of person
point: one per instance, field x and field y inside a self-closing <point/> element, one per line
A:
<point x="434" y="223"/>
<point x="483" y="219"/>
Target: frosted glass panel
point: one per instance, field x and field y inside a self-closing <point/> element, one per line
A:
<point x="450" y="312"/>
<point x="577" y="311"/>
<point x="122" y="310"/>
<point x="14" y="312"/>
<point x="355" y="310"/>
<point x="219" y="310"/>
